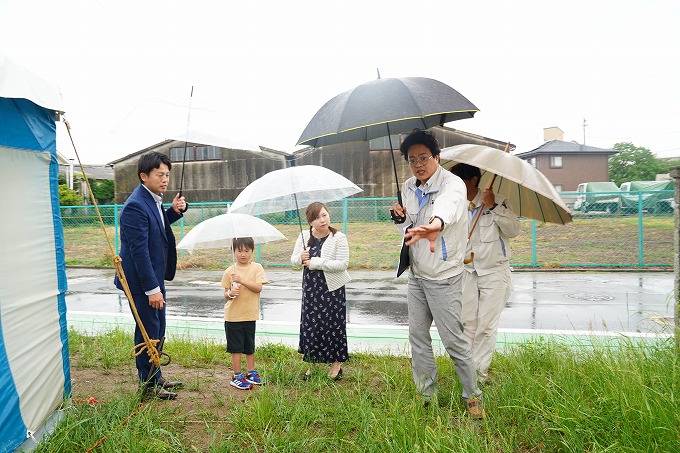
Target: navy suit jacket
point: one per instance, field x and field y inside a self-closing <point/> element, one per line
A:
<point x="147" y="250"/>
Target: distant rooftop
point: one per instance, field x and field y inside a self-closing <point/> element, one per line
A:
<point x="99" y="172"/>
<point x="562" y="147"/>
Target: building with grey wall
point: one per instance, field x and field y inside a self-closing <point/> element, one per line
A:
<point x="212" y="173"/>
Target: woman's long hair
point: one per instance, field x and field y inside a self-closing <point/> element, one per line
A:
<point x="311" y="214"/>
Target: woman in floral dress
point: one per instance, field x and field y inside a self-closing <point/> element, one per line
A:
<point x="324" y="254"/>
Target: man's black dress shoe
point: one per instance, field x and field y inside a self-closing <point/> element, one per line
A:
<point x="158" y="392"/>
<point x="168" y="385"/>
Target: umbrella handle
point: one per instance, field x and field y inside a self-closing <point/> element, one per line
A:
<point x="474" y="224"/>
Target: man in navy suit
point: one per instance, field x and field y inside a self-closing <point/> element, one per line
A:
<point x="149" y="257"/>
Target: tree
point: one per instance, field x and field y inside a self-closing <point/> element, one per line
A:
<point x="68" y="197"/>
<point x="103" y="190"/>
<point x="633" y="163"/>
<point x="666" y="164"/>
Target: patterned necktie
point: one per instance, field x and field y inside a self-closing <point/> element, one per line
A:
<point x="472" y="206"/>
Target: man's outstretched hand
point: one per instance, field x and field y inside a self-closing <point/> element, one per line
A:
<point x="429" y="232"/>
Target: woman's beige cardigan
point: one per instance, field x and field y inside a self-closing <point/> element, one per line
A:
<point x="333" y="261"/>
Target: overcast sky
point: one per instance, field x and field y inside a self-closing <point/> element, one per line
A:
<point x="261" y="69"/>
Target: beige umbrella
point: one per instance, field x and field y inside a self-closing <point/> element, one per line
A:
<point x="529" y="192"/>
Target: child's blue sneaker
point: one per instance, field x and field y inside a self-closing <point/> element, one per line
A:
<point x="239" y="381"/>
<point x="254" y="377"/>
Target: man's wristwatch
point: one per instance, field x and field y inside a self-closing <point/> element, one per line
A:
<point x="493" y="207"/>
<point x="440" y="219"/>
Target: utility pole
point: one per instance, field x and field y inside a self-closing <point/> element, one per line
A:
<point x="675" y="174"/>
<point x="584" y="130"/>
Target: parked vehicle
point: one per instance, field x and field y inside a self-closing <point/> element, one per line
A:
<point x="657" y="196"/>
<point x="597" y="196"/>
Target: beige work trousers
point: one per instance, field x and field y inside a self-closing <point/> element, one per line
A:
<point x="483" y="300"/>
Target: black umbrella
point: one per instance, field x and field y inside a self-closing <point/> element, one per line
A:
<point x="384" y="107"/>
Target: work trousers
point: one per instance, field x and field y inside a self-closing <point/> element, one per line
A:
<point x="438" y="301"/>
<point x="483" y="300"/>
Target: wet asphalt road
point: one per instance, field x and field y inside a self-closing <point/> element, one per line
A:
<point x="600" y="301"/>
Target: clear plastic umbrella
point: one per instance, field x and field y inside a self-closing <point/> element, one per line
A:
<point x="220" y="231"/>
<point x="292" y="188"/>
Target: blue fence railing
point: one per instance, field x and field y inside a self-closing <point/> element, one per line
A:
<point x="610" y="229"/>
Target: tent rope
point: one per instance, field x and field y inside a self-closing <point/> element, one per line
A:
<point x="149" y="344"/>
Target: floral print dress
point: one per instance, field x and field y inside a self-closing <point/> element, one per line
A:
<point x="323" y="334"/>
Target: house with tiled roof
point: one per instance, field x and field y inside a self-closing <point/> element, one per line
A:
<point x="567" y="164"/>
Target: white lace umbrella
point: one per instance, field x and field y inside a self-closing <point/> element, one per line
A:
<point x="529" y="192"/>
<point x="219" y="231"/>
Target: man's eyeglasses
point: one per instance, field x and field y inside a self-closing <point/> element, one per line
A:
<point x="420" y="161"/>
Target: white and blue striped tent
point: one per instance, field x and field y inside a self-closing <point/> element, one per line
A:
<point x="34" y="360"/>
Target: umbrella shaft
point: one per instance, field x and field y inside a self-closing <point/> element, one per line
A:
<point x="481" y="208"/>
<point x="297" y="210"/>
<point x="184" y="159"/>
<point x="394" y="165"/>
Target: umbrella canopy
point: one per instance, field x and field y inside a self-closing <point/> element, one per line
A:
<point x="529" y="192"/>
<point x="292" y="188"/>
<point x="219" y="231"/>
<point x="383" y="107"/>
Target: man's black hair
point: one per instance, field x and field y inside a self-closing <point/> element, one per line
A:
<point x="149" y="161"/>
<point x="420" y="137"/>
<point x="466" y="172"/>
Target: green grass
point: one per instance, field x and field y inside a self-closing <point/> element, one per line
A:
<point x="544" y="396"/>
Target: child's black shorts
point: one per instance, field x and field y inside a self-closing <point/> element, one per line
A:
<point x="240" y="336"/>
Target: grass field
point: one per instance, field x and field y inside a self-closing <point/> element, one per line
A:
<point x="542" y="397"/>
<point x="593" y="241"/>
